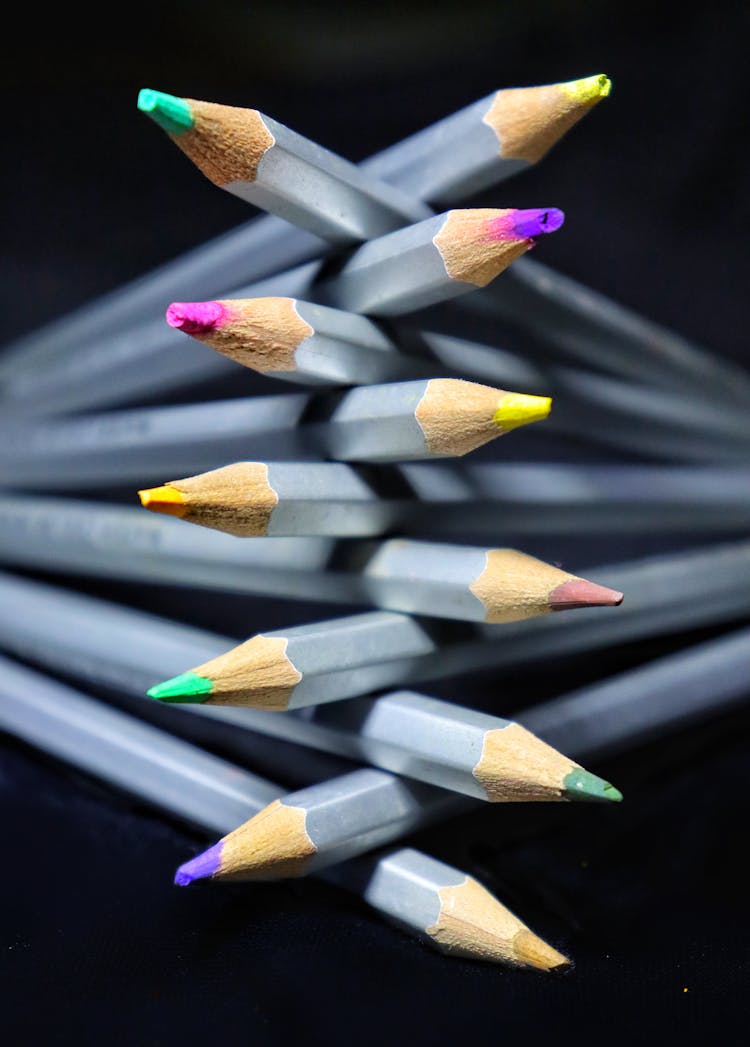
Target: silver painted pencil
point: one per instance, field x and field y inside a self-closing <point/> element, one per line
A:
<point x="264" y="163"/>
<point x="435" y="260"/>
<point x="435" y="418"/>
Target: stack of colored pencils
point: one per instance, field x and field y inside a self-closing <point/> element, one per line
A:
<point x="324" y="480"/>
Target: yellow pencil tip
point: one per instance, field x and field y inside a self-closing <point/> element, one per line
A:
<point x="588" y="90"/>
<point x="533" y="952"/>
<point x="519" y="409"/>
<point x="164" y="499"/>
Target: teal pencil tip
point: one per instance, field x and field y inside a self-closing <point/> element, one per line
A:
<point x="187" y="687"/>
<point x="583" y="785"/>
<point x="172" y="114"/>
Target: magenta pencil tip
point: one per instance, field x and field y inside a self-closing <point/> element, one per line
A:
<point x="200" y="868"/>
<point x="537" y="220"/>
<point x="195" y="318"/>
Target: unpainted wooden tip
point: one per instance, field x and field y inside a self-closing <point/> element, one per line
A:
<point x="589" y="89"/>
<point x="516" y="409"/>
<point x="164" y="499"/>
<point x="577" y="592"/>
<point x="531" y="951"/>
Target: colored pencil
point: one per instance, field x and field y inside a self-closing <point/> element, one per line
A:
<point x="328" y="823"/>
<point x="433" y="741"/>
<point x="142" y="359"/>
<point x="430" y="900"/>
<point x="473" y="584"/>
<point x="281" y="499"/>
<point x="297" y="341"/>
<point x="436" y="418"/>
<point x="437" y="259"/>
<point x="264" y="163"/>
<point x="487" y="141"/>
<point x="253" y="499"/>
<point x="346" y="657"/>
<point x="448" y="745"/>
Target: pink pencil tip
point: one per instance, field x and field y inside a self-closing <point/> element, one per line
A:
<point x="537" y="220"/>
<point x="195" y="318"/>
<point x="580" y="593"/>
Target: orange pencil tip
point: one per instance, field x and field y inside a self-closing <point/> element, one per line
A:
<point x="164" y="499"/>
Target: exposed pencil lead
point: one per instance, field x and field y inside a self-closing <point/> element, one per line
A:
<point x="187" y="687"/>
<point x="164" y="499"/>
<point x="172" y="114"/>
<point x="583" y="785"/>
<point x="589" y="89"/>
<point x="201" y="867"/>
<point x="579" y="593"/>
<point x="521" y="409"/>
<point x="195" y="318"/>
<point x="533" y="952"/>
<point x="537" y="220"/>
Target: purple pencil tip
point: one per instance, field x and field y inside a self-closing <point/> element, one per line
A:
<point x="200" y="868"/>
<point x="195" y="318"/>
<point x="537" y="220"/>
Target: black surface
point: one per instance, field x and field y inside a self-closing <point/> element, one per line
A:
<point x="96" y="945"/>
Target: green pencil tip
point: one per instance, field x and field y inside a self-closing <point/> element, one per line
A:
<point x="173" y="115"/>
<point x="187" y="687"/>
<point x="583" y="785"/>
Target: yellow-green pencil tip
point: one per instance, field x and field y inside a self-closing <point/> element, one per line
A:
<point x="517" y="409"/>
<point x="589" y="89"/>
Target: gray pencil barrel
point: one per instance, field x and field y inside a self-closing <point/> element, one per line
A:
<point x="398" y="273"/>
<point x="135" y="756"/>
<point x="450" y="160"/>
<point x="637" y="706"/>
<point x="321" y="192"/>
<point x="589" y="328"/>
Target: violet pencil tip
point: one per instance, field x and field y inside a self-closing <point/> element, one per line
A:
<point x="202" y="867"/>
<point x="537" y="220"/>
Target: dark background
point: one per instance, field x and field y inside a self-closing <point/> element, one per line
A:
<point x="650" y="898"/>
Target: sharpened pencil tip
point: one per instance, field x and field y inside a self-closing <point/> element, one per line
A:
<point x="583" y="785"/>
<point x="589" y="89"/>
<point x="195" y="318"/>
<point x="187" y="687"/>
<point x="537" y="220"/>
<point x="164" y="499"/>
<point x="533" y="952"/>
<point x="172" y="114"/>
<point x="201" y="867"/>
<point x="577" y="592"/>
<point x="517" y="409"/>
